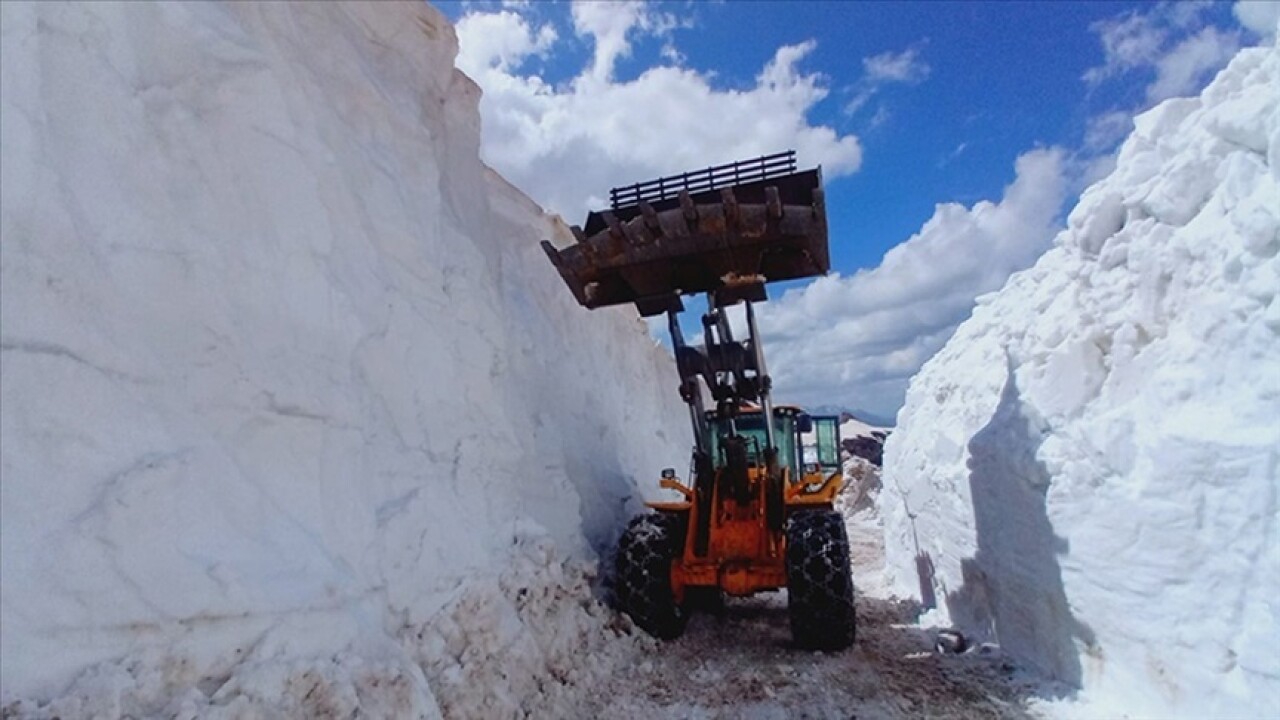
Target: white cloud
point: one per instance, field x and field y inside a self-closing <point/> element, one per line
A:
<point x="501" y="40"/>
<point x="1102" y="136"/>
<point x="1259" y="16"/>
<point x="949" y="157"/>
<point x="1171" y="39"/>
<point x="1171" y="44"/>
<point x="671" y="54"/>
<point x="879" y="119"/>
<point x="1185" y="68"/>
<point x="608" y="24"/>
<point x="1128" y="41"/>
<point x="567" y="144"/>
<point x="862" y="97"/>
<point x="856" y="340"/>
<point x="904" y="68"/>
<point x="1186" y="13"/>
<point x="1102" y="132"/>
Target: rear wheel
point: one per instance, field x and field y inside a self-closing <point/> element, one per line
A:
<point x="819" y="581"/>
<point x="645" y="554"/>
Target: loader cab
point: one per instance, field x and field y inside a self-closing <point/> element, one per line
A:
<point x="750" y="424"/>
<point x="806" y="443"/>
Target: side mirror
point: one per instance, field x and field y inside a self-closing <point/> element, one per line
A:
<point x="668" y="473"/>
<point x="804" y="423"/>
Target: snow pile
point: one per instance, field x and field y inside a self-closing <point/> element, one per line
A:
<point x="297" y="419"/>
<point x="861" y="484"/>
<point x="852" y="427"/>
<point x="860" y="439"/>
<point x="1087" y="472"/>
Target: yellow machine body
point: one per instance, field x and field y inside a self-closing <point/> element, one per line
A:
<point x="744" y="555"/>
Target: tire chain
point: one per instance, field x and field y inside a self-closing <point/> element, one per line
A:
<point x="643" y="585"/>
<point x="819" y="581"/>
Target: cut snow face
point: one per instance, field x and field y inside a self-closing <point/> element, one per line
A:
<point x="1087" y="472"/>
<point x="294" y="409"/>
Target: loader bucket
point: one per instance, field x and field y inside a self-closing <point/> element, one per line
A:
<point x="728" y="229"/>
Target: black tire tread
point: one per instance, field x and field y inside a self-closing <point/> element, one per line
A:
<point x="819" y="581"/>
<point x="643" y="583"/>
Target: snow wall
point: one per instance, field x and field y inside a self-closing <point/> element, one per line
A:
<point x="297" y="418"/>
<point x="1087" y="471"/>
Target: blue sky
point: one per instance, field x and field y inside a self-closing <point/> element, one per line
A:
<point x="995" y="71"/>
<point x="955" y="135"/>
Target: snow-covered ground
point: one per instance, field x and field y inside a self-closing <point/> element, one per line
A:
<point x="1088" y="471"/>
<point x="297" y="418"/>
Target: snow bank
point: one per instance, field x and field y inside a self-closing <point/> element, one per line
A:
<point x="1087" y="472"/>
<point x="296" y="416"/>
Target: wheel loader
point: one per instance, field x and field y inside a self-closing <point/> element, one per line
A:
<point x="756" y="512"/>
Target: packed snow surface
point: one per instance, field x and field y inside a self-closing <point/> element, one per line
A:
<point x="296" y="416"/>
<point x="1087" y="472"/>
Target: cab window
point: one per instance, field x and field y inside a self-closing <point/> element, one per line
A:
<point x="827" y="432"/>
<point x="751" y="426"/>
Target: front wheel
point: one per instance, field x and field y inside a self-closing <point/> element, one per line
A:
<point x="819" y="581"/>
<point x="643" y="586"/>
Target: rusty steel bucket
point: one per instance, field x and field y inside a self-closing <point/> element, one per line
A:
<point x="727" y="229"/>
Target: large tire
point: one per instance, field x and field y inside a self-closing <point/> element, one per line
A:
<point x="819" y="581"/>
<point x="643" y="582"/>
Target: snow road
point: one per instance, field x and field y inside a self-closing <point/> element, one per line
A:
<point x="736" y="661"/>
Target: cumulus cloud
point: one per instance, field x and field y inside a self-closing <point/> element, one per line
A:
<point x="501" y="41"/>
<point x="904" y="68"/>
<point x="566" y="144"/>
<point x="609" y="23"/>
<point x="856" y="340"/>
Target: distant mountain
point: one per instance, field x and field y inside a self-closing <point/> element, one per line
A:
<point x="867" y="418"/>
